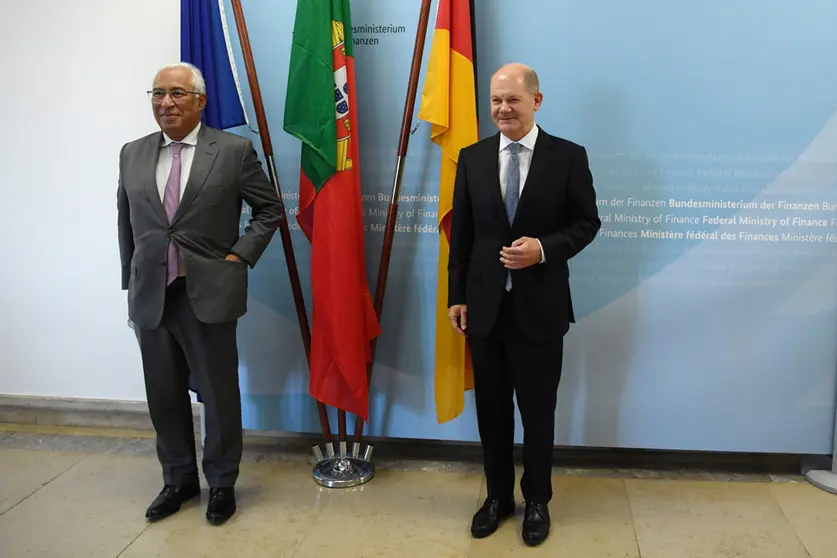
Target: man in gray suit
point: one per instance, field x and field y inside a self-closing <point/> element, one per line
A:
<point x="184" y="265"/>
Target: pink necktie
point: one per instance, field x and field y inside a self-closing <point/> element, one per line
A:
<point x="171" y="199"/>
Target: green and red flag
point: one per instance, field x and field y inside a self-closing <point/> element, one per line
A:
<point x="321" y="111"/>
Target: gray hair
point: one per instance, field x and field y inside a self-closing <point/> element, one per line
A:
<point x="198" y="83"/>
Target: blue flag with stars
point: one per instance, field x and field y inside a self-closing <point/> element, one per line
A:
<point x="205" y="42"/>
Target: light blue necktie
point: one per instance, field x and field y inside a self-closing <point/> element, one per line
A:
<point x="512" y="190"/>
<point x="512" y="181"/>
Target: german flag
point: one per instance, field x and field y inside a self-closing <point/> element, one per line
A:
<point x="449" y="104"/>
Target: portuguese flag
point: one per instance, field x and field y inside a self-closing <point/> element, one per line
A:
<point x="449" y="104"/>
<point x="321" y="111"/>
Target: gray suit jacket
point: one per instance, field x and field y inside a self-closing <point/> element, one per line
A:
<point x="225" y="170"/>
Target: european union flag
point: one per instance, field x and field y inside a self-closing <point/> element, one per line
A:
<point x="205" y="42"/>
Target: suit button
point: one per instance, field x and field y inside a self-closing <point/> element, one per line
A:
<point x="162" y="262"/>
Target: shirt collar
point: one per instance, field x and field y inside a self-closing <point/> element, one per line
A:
<point x="190" y="139"/>
<point x="528" y="141"/>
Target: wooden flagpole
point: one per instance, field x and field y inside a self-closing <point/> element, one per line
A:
<point x="284" y="230"/>
<point x="392" y="213"/>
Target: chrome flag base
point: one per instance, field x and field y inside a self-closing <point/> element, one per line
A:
<point x="824" y="480"/>
<point x="342" y="470"/>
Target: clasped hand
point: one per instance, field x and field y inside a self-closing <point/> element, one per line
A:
<point x="523" y="253"/>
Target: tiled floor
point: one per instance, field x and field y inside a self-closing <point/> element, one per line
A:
<point x="69" y="493"/>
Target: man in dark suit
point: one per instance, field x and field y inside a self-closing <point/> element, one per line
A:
<point x="185" y="267"/>
<point x="524" y="204"/>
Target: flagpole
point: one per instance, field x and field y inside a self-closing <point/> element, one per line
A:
<point x="284" y="230"/>
<point x="392" y="213"/>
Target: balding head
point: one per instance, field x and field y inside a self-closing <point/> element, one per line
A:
<point x="515" y="97"/>
<point x="519" y="72"/>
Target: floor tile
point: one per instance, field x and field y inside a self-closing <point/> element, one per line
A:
<point x="590" y="518"/>
<point x="276" y="507"/>
<point x="23" y="472"/>
<point x="406" y="514"/>
<point x="787" y="479"/>
<point x="67" y="492"/>
<point x="662" y="474"/>
<point x="693" y="519"/>
<point x="95" y="509"/>
<point x="67" y="444"/>
<point x="813" y="513"/>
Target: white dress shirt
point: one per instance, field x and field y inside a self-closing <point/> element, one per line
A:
<point x="187" y="155"/>
<point x="524" y="158"/>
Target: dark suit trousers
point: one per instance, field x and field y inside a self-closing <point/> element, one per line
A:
<point x="179" y="346"/>
<point x="507" y="364"/>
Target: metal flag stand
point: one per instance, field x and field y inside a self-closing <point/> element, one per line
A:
<point x="284" y="229"/>
<point x="338" y="469"/>
<point x="341" y="469"/>
<point x="392" y="211"/>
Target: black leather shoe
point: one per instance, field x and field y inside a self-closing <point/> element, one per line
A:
<point x="170" y="499"/>
<point x="487" y="519"/>
<point x="221" y="505"/>
<point x="535" y="524"/>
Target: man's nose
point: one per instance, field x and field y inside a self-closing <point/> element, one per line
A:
<point x="167" y="102"/>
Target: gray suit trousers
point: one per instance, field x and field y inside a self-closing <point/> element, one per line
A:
<point x="179" y="347"/>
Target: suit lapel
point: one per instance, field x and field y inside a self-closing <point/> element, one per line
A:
<point x="540" y="157"/>
<point x="149" y="175"/>
<point x="205" y="153"/>
<point x="493" y="148"/>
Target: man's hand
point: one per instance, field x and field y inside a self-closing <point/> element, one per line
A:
<point x="522" y="253"/>
<point x="233" y="258"/>
<point x="458" y="315"/>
